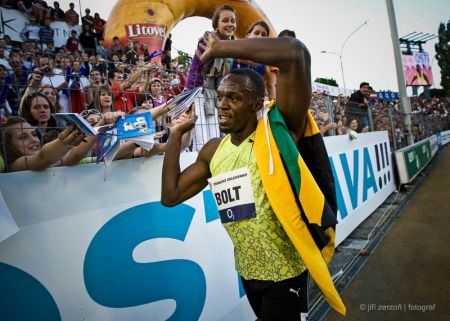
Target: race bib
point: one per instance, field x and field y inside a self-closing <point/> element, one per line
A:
<point x="233" y="194"/>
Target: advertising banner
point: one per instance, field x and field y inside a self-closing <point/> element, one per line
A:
<point x="331" y="90"/>
<point x="15" y="21"/>
<point x="445" y="137"/>
<point x="12" y="23"/>
<point x="8" y="226"/>
<point x="388" y="95"/>
<point x="412" y="160"/>
<point x="364" y="178"/>
<point x="96" y="244"/>
<point x="152" y="21"/>
<point x="434" y="144"/>
<point x="98" y="248"/>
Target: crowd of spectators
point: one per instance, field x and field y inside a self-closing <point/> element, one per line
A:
<point x="429" y="116"/>
<point x="40" y="16"/>
<point x="38" y="80"/>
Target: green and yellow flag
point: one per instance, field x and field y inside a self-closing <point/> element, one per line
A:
<point x="296" y="198"/>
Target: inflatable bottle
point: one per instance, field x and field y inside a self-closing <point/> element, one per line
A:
<point x="151" y="22"/>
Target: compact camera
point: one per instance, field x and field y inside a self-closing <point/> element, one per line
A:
<point x="45" y="69"/>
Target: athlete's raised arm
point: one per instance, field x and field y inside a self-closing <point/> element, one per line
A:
<point x="292" y="59"/>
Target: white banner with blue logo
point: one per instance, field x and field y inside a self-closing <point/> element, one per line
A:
<point x="13" y="22"/>
<point x="364" y="177"/>
<point x="100" y="246"/>
<point x="444" y="137"/>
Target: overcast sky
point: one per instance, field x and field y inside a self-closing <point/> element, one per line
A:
<point x="324" y="25"/>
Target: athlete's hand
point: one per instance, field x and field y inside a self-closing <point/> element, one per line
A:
<point x="211" y="39"/>
<point x="185" y="122"/>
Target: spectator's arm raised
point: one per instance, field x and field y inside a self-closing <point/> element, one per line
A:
<point x="137" y="75"/>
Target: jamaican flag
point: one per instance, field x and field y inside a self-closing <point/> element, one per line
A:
<point x="300" y="187"/>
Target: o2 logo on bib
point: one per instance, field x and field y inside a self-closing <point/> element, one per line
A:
<point x="233" y="194"/>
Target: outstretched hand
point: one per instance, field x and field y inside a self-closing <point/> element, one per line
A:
<point x="110" y="117"/>
<point x="151" y="66"/>
<point x="210" y="39"/>
<point x="71" y="136"/>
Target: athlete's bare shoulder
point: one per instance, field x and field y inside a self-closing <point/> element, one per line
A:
<point x="208" y="150"/>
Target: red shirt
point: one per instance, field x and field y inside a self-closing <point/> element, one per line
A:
<point x="72" y="44"/>
<point x="127" y="97"/>
<point x="99" y="25"/>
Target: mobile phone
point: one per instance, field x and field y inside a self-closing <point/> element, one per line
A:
<point x="45" y="69"/>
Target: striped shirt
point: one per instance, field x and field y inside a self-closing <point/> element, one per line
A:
<point x="46" y="34"/>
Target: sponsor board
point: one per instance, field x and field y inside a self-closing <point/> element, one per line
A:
<point x="145" y="30"/>
<point x="445" y="137"/>
<point x="13" y="22"/>
<point x="151" y="34"/>
<point x="109" y="248"/>
<point x="331" y="90"/>
<point x="412" y="159"/>
<point x="434" y="144"/>
<point x="363" y="173"/>
<point x="96" y="245"/>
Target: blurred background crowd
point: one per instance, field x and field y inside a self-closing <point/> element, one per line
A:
<point x="38" y="80"/>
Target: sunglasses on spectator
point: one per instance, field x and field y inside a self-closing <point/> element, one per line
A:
<point x="86" y="113"/>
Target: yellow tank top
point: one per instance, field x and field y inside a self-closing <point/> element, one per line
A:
<point x="262" y="250"/>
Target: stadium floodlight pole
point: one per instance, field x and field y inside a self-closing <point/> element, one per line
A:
<point x="81" y="12"/>
<point x="340" y="59"/>
<point x="348" y="37"/>
<point x="405" y="103"/>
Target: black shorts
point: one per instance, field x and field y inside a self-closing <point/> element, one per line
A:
<point x="285" y="300"/>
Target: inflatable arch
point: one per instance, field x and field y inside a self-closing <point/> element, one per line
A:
<point x="151" y="21"/>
